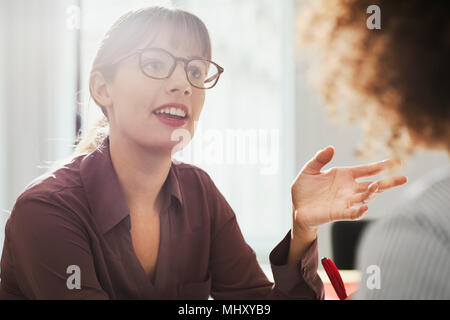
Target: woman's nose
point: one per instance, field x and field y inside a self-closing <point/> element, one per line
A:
<point x="178" y="82"/>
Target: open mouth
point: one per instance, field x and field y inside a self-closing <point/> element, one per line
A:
<point x="172" y="115"/>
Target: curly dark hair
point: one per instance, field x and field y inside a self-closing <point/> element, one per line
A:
<point x="394" y="77"/>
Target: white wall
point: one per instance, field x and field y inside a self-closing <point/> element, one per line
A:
<point x="37" y="93"/>
<point x="3" y="132"/>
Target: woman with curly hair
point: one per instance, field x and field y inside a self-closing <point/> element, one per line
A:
<point x="394" y="80"/>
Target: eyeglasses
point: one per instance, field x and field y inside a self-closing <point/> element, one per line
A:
<point x="157" y="63"/>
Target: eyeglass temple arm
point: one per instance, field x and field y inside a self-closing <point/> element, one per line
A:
<point x="215" y="76"/>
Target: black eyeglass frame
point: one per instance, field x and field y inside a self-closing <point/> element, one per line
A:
<point x="175" y="59"/>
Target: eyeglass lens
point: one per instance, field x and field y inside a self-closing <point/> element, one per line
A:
<point x="159" y="64"/>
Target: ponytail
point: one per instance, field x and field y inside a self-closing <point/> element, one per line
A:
<point x="85" y="143"/>
<point x="93" y="137"/>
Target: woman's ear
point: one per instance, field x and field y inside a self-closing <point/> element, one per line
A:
<point x="99" y="89"/>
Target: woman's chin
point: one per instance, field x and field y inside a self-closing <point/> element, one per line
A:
<point x="166" y="146"/>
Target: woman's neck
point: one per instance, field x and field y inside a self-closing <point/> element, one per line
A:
<point x="141" y="175"/>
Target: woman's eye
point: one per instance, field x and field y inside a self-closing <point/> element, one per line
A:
<point x="154" y="65"/>
<point x="196" y="73"/>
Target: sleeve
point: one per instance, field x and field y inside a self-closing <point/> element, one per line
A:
<point x="235" y="272"/>
<point x="403" y="259"/>
<point x="51" y="253"/>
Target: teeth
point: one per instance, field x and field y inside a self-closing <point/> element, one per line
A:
<point x="174" y="111"/>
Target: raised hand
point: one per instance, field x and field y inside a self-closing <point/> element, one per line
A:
<point x="321" y="197"/>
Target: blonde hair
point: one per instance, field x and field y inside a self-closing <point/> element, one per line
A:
<point x="124" y="36"/>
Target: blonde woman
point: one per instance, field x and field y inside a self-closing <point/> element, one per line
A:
<point x="130" y="222"/>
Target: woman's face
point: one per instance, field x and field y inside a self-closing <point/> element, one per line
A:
<point x="135" y="97"/>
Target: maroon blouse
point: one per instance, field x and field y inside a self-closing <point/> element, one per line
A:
<point x="77" y="218"/>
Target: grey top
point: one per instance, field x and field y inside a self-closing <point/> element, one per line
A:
<point x="407" y="254"/>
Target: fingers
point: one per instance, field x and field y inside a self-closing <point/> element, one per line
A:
<point x="361" y="198"/>
<point x="365" y="192"/>
<point x="321" y="158"/>
<point x="381" y="185"/>
<point x="389" y="183"/>
<point x="373" y="169"/>
<point x="362" y="186"/>
<point x="354" y="213"/>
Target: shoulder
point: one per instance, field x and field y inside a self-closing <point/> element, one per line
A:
<point x="64" y="175"/>
<point x="426" y="207"/>
<point x="409" y="257"/>
<point x="59" y="192"/>
<point x="411" y="242"/>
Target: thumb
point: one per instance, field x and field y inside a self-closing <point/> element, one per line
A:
<point x="321" y="158"/>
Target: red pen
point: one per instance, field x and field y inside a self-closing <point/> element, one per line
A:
<point x="335" y="278"/>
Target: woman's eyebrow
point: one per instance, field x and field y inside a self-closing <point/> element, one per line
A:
<point x="196" y="57"/>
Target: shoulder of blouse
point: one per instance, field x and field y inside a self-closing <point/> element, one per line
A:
<point x="66" y="176"/>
